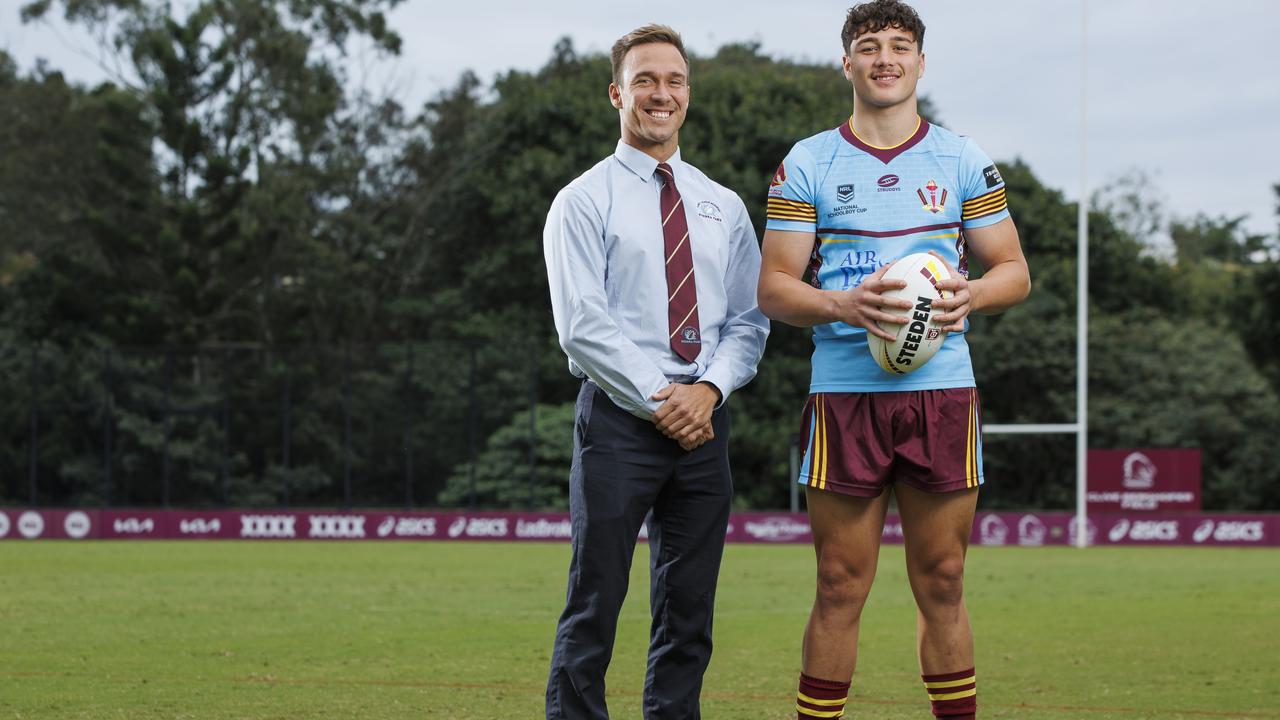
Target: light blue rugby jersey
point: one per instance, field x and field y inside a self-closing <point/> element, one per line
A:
<point x="869" y="206"/>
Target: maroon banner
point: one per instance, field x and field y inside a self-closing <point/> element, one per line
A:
<point x="1028" y="529"/>
<point x="1144" y="480"/>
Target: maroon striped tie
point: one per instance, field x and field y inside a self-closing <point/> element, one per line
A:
<point x="682" y="292"/>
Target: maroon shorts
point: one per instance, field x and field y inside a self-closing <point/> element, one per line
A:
<point x="859" y="443"/>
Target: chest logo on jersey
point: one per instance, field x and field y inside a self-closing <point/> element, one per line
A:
<point x="936" y="201"/>
<point x="710" y="211"/>
<point x="844" y="193"/>
<point x="888" y="183"/>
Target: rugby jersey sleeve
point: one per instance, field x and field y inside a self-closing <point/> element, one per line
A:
<point x="982" y="187"/>
<point x="792" y="194"/>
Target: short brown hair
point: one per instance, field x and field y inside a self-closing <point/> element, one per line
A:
<point x="872" y="17"/>
<point x="641" y="36"/>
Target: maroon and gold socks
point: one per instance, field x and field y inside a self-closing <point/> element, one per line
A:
<point x="954" y="695"/>
<point x="822" y="699"/>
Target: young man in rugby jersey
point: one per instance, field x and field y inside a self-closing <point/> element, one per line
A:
<point x="843" y="205"/>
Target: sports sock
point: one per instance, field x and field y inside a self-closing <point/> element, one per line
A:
<point x="820" y="698"/>
<point x="954" y="695"/>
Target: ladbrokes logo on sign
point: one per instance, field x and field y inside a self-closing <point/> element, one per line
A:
<point x="336" y="526"/>
<point x="267" y="526"/>
<point x="776" y="529"/>
<point x="543" y="528"/>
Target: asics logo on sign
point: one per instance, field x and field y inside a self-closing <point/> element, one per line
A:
<point x="200" y="526"/>
<point x="1145" y="530"/>
<point x="133" y="526"/>
<point x="267" y="526"/>
<point x="457" y="526"/>
<point x="336" y="526"/>
<point x="407" y="527"/>
<point x="478" y="527"/>
<point x="1229" y="531"/>
<point x="30" y="525"/>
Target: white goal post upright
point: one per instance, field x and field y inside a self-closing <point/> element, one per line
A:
<point x="1082" y="294"/>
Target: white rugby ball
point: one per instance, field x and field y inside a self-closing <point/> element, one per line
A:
<point x="919" y="338"/>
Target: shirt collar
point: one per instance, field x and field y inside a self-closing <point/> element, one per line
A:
<point x="641" y="163"/>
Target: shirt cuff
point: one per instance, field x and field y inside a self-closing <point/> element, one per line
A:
<point x="720" y="380"/>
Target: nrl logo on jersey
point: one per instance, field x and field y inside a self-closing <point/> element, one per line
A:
<point x="935" y="203"/>
<point x="844" y="193"/>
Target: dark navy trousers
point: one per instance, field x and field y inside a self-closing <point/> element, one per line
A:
<point x="624" y="468"/>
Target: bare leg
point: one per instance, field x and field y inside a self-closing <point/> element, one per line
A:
<point x="846" y="538"/>
<point x="936" y="530"/>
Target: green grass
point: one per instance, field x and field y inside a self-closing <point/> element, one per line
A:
<point x="136" y="630"/>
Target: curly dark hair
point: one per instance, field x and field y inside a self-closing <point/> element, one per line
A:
<point x="870" y="17"/>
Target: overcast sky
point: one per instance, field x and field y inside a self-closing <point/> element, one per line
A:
<point x="1187" y="91"/>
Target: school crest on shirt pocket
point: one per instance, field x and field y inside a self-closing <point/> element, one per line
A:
<point x="710" y="211"/>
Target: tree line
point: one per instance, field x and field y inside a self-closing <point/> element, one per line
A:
<point x="231" y="275"/>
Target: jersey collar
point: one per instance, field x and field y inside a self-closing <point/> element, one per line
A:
<point x="885" y="155"/>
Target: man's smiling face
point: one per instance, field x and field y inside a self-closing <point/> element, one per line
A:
<point x="652" y="96"/>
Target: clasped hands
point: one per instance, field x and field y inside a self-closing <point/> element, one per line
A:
<point x="685" y="414"/>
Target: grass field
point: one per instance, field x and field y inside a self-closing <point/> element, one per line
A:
<point x="135" y="630"/>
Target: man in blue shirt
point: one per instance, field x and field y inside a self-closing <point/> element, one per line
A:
<point x="652" y="268"/>
<point x="842" y="207"/>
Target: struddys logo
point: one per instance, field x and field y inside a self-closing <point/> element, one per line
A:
<point x="935" y="202"/>
<point x="268" y="526"/>
<point x="338" y="527"/>
<point x="888" y="183"/>
<point x="993" y="531"/>
<point x="407" y="527"/>
<point x="710" y="211"/>
<point x="776" y="529"/>
<point x="478" y="527"/>
<point x="1031" y="531"/>
<point x="1229" y="531"/>
<point x="1139" y="472"/>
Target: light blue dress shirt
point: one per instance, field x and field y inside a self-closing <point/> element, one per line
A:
<point x="606" y="267"/>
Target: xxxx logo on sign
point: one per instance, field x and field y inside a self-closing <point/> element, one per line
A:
<point x="267" y="526"/>
<point x="336" y="526"/>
